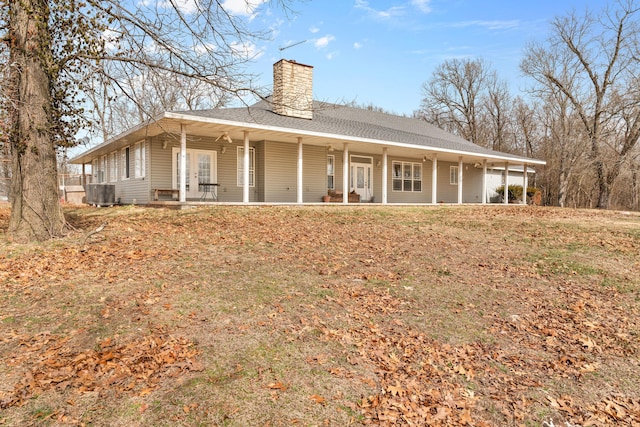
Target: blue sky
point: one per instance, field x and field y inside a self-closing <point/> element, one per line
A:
<point x="381" y="52"/>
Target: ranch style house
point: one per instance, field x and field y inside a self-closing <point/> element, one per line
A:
<point x="291" y="149"/>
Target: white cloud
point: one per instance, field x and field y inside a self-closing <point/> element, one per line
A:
<point x="185" y="6"/>
<point x="205" y="48"/>
<point x="242" y="7"/>
<point x="381" y="14"/>
<point x="357" y="45"/>
<point x="490" y="25"/>
<point x="313" y="29"/>
<point x="324" y="41"/>
<point x="111" y="39"/>
<point x="422" y="5"/>
<point x="246" y="50"/>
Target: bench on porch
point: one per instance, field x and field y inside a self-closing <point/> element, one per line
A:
<point x="174" y="192"/>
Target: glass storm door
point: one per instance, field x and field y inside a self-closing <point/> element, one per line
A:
<point x="201" y="168"/>
<point x="361" y="177"/>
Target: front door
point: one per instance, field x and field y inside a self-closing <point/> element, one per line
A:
<point x="201" y="168"/>
<point x="361" y="177"/>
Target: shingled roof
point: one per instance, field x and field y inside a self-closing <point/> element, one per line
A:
<point x="351" y="122"/>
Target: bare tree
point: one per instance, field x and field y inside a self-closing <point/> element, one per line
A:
<point x="148" y="94"/>
<point x="466" y="97"/>
<point x="597" y="53"/>
<point x="452" y="97"/>
<point x="497" y="106"/>
<point x="54" y="48"/>
<point x="526" y="128"/>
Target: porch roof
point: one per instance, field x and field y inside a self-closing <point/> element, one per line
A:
<point x="332" y="125"/>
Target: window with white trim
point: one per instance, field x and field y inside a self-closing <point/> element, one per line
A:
<point x="331" y="171"/>
<point x="95" y="168"/>
<point x="125" y="156"/>
<point x="453" y="175"/>
<point x="113" y="166"/>
<point x="240" y="166"/>
<point x="102" y="174"/>
<point x="406" y="176"/>
<point x="139" y="155"/>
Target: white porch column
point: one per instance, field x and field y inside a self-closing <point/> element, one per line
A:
<point x="434" y="179"/>
<point x="385" y="180"/>
<point x="484" y="182"/>
<point x="183" y="163"/>
<point x="300" y="181"/>
<point x="245" y="170"/>
<point x="525" y="183"/>
<point x="460" y="180"/>
<point x="506" y="183"/>
<point x="345" y="174"/>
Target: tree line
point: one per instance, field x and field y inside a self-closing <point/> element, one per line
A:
<point x="580" y="111"/>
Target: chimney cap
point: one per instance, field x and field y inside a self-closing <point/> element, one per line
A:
<point x="293" y="61"/>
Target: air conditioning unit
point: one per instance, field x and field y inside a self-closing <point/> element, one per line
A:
<point x="101" y="194"/>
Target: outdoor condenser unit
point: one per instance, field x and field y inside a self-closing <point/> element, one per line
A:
<point x="101" y="194"/>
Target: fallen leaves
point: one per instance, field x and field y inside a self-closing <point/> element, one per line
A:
<point x="135" y="366"/>
<point x="385" y="300"/>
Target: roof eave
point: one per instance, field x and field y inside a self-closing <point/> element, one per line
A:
<point x="86" y="156"/>
<point x="347" y="138"/>
<point x="184" y="118"/>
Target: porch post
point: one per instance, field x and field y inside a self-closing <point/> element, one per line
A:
<point x="300" y="183"/>
<point x="385" y="182"/>
<point x="183" y="163"/>
<point x="525" y="183"/>
<point x="506" y="183"/>
<point x="460" y="180"/>
<point x="434" y="179"/>
<point x="484" y="182"/>
<point x="345" y="174"/>
<point x="84" y="178"/>
<point x="245" y="169"/>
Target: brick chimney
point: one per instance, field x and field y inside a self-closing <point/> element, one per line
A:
<point x="293" y="89"/>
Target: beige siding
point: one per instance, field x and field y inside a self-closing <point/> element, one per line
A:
<point x="447" y="192"/>
<point x="314" y="173"/>
<point x="228" y="190"/>
<point x="280" y="172"/>
<point x="338" y="170"/>
<point x="160" y="174"/>
<point x="471" y="184"/>
<point x="133" y="190"/>
<point x="423" y="196"/>
<point x="276" y="173"/>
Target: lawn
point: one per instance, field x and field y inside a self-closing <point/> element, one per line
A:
<point x="332" y="315"/>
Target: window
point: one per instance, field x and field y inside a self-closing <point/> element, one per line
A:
<point x="406" y="176"/>
<point x="331" y="162"/>
<point x="113" y="166"/>
<point x="95" y="170"/>
<point x="139" y="154"/>
<point x="240" y="164"/>
<point x="453" y="175"/>
<point x="102" y="174"/>
<point x="124" y="160"/>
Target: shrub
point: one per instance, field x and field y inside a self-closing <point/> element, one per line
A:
<point x="515" y="192"/>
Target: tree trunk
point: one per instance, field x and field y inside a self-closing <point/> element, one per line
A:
<point x="635" y="188"/>
<point x="35" y="207"/>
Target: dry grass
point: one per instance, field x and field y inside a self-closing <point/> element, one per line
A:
<point x="325" y="316"/>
